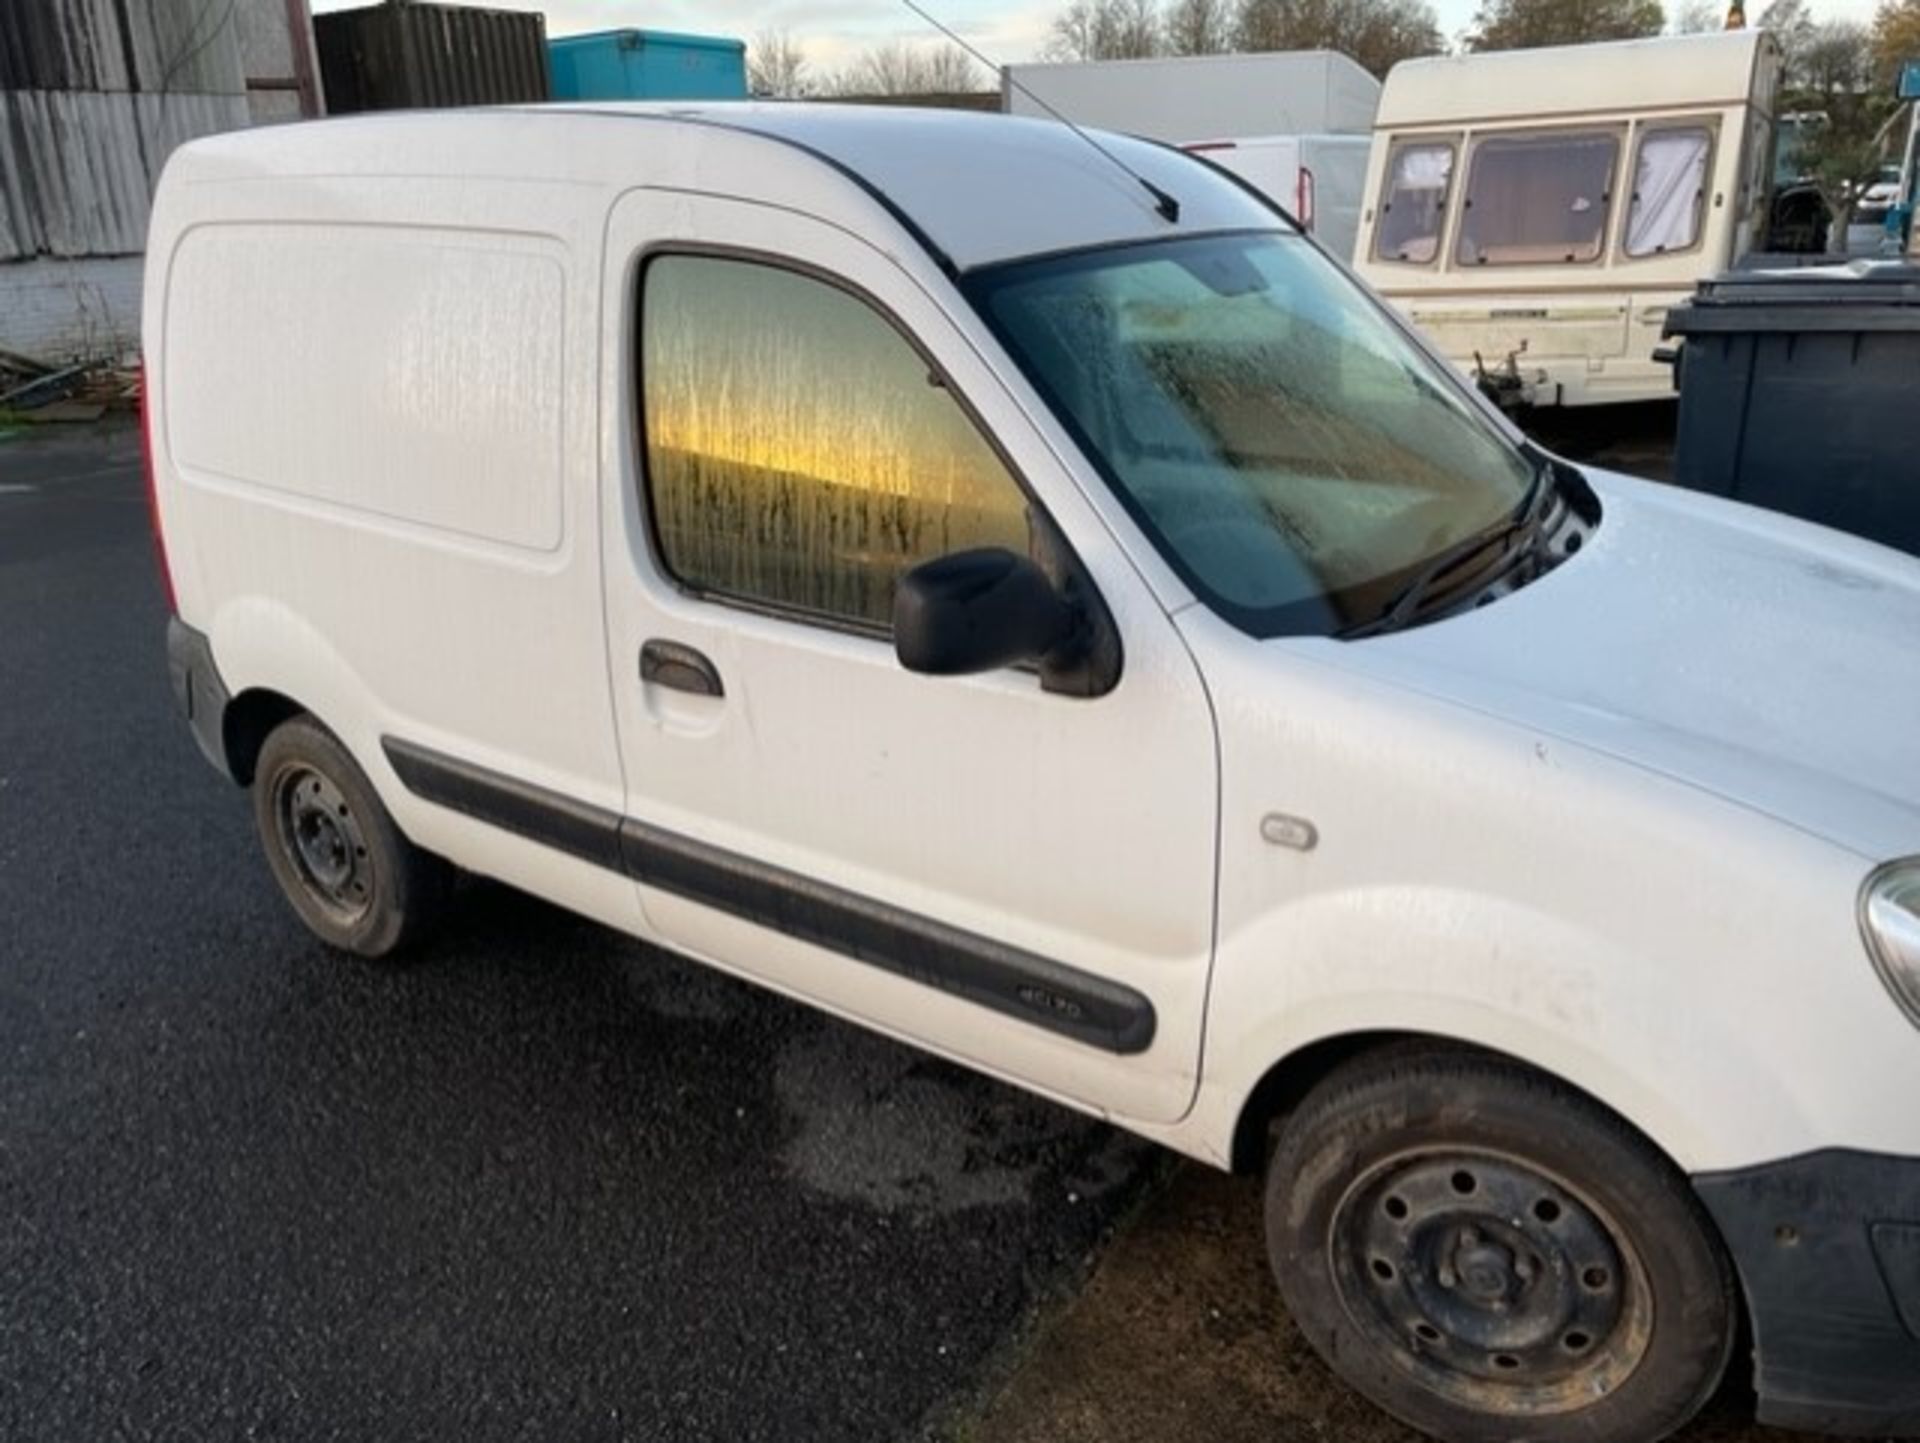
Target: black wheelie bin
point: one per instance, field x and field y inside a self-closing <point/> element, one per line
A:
<point x="1800" y="391"/>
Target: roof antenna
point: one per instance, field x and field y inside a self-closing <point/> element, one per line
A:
<point x="1167" y="207"/>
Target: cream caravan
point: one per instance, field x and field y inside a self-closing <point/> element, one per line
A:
<point x="1536" y="212"/>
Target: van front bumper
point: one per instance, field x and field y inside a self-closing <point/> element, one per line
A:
<point x="199" y="690"/>
<point x="1828" y="1250"/>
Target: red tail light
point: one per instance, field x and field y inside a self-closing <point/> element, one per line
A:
<point x="153" y="491"/>
<point x="1303" y="198"/>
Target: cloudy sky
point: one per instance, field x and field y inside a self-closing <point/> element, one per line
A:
<point x="832" y="30"/>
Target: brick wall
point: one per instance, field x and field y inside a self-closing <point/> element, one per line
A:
<point x="67" y="310"/>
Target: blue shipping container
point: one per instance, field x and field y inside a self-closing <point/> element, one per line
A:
<point x="647" y="65"/>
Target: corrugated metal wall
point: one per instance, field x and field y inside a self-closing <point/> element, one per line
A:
<point x="182" y="46"/>
<point x="387" y="57"/>
<point x="94" y="94"/>
<point x="77" y="167"/>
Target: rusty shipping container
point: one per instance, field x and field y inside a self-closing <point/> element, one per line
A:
<point x="405" y="54"/>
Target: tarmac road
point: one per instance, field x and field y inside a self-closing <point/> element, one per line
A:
<point x="546" y="1183"/>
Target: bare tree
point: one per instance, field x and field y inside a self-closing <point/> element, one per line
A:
<point x="898" y="68"/>
<point x="1381" y="33"/>
<point x="1106" y="30"/>
<point x="1377" y="33"/>
<point x="1523" y="24"/>
<point x="1836" y="60"/>
<point x="1790" y="24"/>
<point x="1831" y="74"/>
<point x="1074" y="34"/>
<point x="951" y="71"/>
<point x="776" y="66"/>
<point x="889" y="69"/>
<point x="1697" y="17"/>
<point x="1198" y="27"/>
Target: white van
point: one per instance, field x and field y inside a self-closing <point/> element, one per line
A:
<point x="1537" y="211"/>
<point x="1030" y="601"/>
<point x="1317" y="179"/>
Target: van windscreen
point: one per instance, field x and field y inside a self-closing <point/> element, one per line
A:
<point x="1538" y="199"/>
<point x="1293" y="454"/>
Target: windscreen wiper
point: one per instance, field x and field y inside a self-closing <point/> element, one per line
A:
<point x="1525" y="521"/>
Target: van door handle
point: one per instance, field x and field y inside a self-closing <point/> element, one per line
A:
<point x="680" y="668"/>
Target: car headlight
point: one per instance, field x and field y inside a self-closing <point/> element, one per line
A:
<point x="1890" y="920"/>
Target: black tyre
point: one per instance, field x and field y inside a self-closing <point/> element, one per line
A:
<point x="355" y="881"/>
<point x="1490" y="1256"/>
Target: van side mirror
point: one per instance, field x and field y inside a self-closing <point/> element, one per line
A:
<point x="976" y="610"/>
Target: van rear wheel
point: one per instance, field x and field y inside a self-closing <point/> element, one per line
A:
<point x="1491" y="1256"/>
<point x="336" y="853"/>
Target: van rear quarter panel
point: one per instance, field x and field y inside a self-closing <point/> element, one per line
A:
<point x="374" y="409"/>
<point x="411" y="374"/>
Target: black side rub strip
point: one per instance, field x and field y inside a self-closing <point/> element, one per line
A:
<point x="558" y="821"/>
<point x="1036" y="989"/>
<point x="1021" y="984"/>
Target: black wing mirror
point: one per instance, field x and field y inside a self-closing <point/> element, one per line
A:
<point x="977" y="610"/>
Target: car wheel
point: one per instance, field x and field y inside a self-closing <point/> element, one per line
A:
<point x="1491" y="1256"/>
<point x="336" y="853"/>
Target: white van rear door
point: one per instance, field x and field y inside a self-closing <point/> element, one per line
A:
<point x="1336" y="167"/>
<point x="1020" y="879"/>
<point x="1268" y="163"/>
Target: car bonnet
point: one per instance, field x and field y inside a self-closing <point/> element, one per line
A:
<point x="1771" y="662"/>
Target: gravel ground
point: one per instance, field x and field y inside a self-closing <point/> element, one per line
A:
<point x="1180" y="1334"/>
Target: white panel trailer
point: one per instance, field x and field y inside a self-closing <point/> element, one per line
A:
<point x="1317" y="179"/>
<point x="1200" y="97"/>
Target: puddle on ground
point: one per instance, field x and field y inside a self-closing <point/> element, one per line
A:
<point x="876" y="1122"/>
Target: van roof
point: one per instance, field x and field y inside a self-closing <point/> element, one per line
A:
<point x="974" y="188"/>
<point x="1714" y="69"/>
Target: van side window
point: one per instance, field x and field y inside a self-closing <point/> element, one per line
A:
<point x="1669" y="189"/>
<point x="1414" y="209"/>
<point x="800" y="453"/>
<point x="1539" y="199"/>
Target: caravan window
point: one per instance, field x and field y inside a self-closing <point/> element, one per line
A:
<point x="1539" y="199"/>
<point x="1669" y="189"/>
<point x="1414" y="208"/>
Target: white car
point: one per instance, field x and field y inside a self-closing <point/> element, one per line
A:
<point x="1025" y="598"/>
<point x="1867" y="227"/>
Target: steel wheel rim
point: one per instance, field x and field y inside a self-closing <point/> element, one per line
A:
<point x="322" y="841"/>
<point x="1495" y="1282"/>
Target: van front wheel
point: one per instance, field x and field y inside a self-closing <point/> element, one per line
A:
<point x="336" y="853"/>
<point x="1491" y="1256"/>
